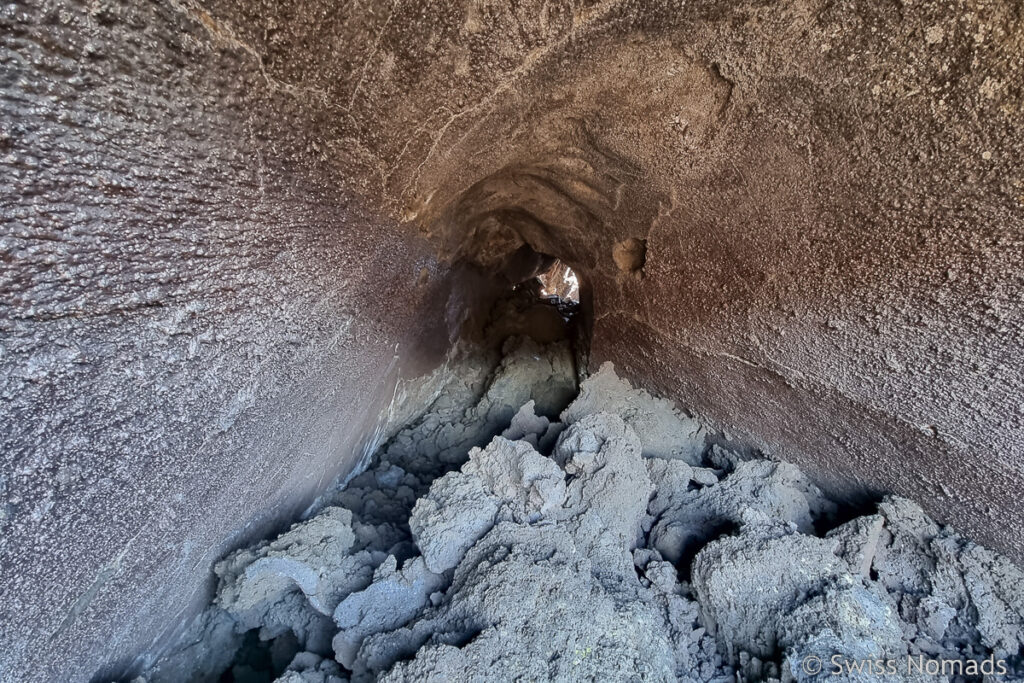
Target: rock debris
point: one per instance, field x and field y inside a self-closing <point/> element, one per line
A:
<point x="501" y="538"/>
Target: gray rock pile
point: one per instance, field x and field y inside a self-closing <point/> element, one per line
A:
<point x="610" y="544"/>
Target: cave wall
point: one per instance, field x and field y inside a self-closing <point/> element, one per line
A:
<point x="830" y="194"/>
<point x="205" y="279"/>
<point x="199" y="329"/>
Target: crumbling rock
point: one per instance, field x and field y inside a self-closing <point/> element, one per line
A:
<point x="607" y="494"/>
<point x="394" y="597"/>
<point x="536" y="430"/>
<point x="481" y="401"/>
<point x="664" y="431"/>
<point x="858" y="542"/>
<point x="857" y="623"/>
<point x="745" y="583"/>
<point x="526" y="601"/>
<point x="600" y="561"/>
<point x="757" y="493"/>
<point x="308" y="667"/>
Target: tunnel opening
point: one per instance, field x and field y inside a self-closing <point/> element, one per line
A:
<point x="521" y="463"/>
<point x="560" y="283"/>
<point x="532" y="294"/>
<point x="547" y="305"/>
<point x="554" y="283"/>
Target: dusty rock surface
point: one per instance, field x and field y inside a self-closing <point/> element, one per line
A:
<point x="211" y="215"/>
<point x="595" y="559"/>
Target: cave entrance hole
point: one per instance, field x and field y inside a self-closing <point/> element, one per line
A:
<point x="554" y="283"/>
<point x="560" y="282"/>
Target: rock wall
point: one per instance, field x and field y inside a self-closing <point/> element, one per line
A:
<point x="801" y="219"/>
<point x="198" y="330"/>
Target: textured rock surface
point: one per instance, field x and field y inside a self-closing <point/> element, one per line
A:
<point x="828" y="196"/>
<point x="527" y="566"/>
<point x="742" y="611"/>
<point x="758" y="493"/>
<point x="802" y="219"/>
<point x="663" y="431"/>
<point x="198" y="327"/>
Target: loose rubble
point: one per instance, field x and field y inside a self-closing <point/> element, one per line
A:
<point x="497" y="540"/>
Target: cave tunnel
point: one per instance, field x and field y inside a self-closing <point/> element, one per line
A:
<point x="242" y="242"/>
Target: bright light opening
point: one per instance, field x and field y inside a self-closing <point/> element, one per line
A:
<point x="560" y="282"/>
